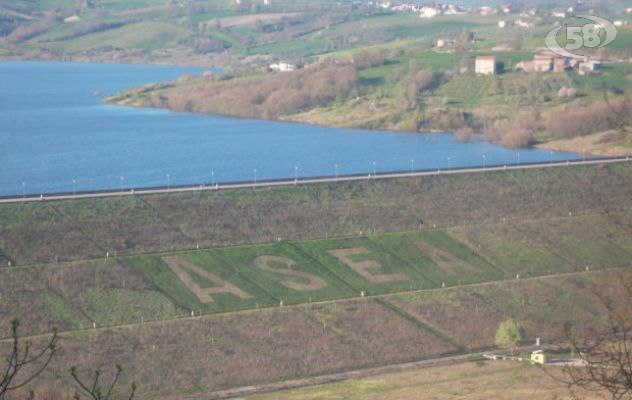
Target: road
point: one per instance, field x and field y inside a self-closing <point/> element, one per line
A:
<point x="304" y="181"/>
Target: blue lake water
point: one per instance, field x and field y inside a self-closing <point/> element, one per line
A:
<point x="56" y="135"/>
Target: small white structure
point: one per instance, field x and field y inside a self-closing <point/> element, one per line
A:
<point x="524" y="24"/>
<point x="589" y="67"/>
<point x="559" y="14"/>
<point x="440" y="43"/>
<point x="428" y="12"/>
<point x="538" y="357"/>
<point x="72" y="18"/>
<point x="502" y="23"/>
<point x="485" y="65"/>
<point x="486" y="11"/>
<point x="282" y="67"/>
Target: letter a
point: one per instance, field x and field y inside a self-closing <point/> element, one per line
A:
<point x="180" y="267"/>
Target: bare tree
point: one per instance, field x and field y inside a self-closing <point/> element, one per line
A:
<point x="23" y="364"/>
<point x="95" y="389"/>
<point x="605" y="363"/>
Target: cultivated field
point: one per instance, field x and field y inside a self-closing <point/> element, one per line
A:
<point x="475" y="381"/>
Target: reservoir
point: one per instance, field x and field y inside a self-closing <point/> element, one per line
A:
<point x="57" y="135"/>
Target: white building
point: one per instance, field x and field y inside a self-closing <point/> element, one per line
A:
<point x="485" y="65"/>
<point x="524" y="24"/>
<point x="428" y="12"/>
<point x="282" y="67"/>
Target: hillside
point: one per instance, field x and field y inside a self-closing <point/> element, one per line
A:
<point x="390" y="272"/>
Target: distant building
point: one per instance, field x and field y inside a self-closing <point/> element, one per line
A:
<point x="282" y="67"/>
<point x="428" y="12"/>
<point x="521" y="23"/>
<point x="440" y="43"/>
<point x="485" y="65"/>
<point x="539" y="357"/>
<point x="506" y="8"/>
<point x="502" y="23"/>
<point x="453" y="9"/>
<point x="561" y="64"/>
<point x="559" y="14"/>
<point x="542" y="63"/>
<point x="589" y="67"/>
<point x="486" y="11"/>
<point x="72" y="18"/>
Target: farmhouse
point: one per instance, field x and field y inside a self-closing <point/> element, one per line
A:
<point x="589" y="67"/>
<point x="282" y="67"/>
<point x="486" y="11"/>
<point x="485" y="65"/>
<point x="428" y="12"/>
<point x="544" y="63"/>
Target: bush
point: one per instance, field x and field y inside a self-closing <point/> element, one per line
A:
<point x="509" y="334"/>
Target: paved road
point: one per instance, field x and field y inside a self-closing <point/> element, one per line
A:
<point x="304" y="181"/>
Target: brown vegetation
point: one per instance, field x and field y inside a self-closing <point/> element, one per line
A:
<point x="267" y="97"/>
<point x="58" y="231"/>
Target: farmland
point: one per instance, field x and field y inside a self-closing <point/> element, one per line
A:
<point x="475" y="380"/>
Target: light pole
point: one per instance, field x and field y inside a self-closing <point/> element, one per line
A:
<point x="74" y="188"/>
<point x="449" y="159"/>
<point x="412" y="166"/>
<point x="551" y="154"/>
<point x="122" y="184"/>
<point x="374" y="168"/>
<point x="212" y="178"/>
<point x="23" y="190"/>
<point x="168" y="182"/>
<point x="295" y="174"/>
<point x="336" y="167"/>
<point x="484" y="161"/>
<point x="518" y="158"/>
<point x="255" y="172"/>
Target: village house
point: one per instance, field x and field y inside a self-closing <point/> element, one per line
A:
<point x="486" y="11"/>
<point x="453" y="9"/>
<point x="521" y="23"/>
<point x="485" y="65"/>
<point x="559" y="14"/>
<point x="502" y="23"/>
<point x="428" y="12"/>
<point x="589" y="67"/>
<point x="282" y="67"/>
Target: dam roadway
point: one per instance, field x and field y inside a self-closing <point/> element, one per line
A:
<point x="265" y="184"/>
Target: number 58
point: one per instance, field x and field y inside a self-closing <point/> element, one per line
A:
<point x="580" y="36"/>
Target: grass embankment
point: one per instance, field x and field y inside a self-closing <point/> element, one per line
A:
<point x="145" y="287"/>
<point x="195" y="356"/>
<point x="506" y="235"/>
<point x="76" y="230"/>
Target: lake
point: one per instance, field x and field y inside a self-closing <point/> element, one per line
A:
<point x="57" y="135"/>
